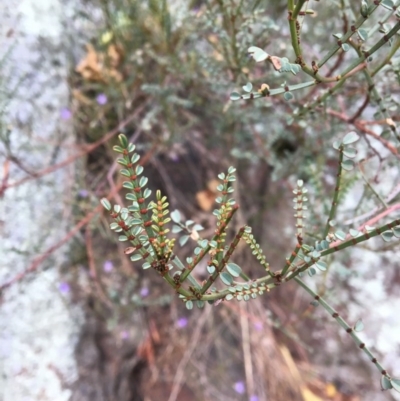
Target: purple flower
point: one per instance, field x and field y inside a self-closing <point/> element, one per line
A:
<point x="124" y="335"/>
<point x="64" y="287"/>
<point x="65" y="114"/>
<point x="108" y="266"/>
<point x="254" y="398"/>
<point x="101" y="99"/>
<point x="239" y="387"/>
<point x="182" y="322"/>
<point x="83" y="193"/>
<point x="258" y="326"/>
<point x="144" y="292"/>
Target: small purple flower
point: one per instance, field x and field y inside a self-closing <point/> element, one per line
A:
<point x="258" y="325"/>
<point x="83" y="193"/>
<point x="239" y="387"/>
<point x="108" y="266"/>
<point x="182" y="322"/>
<point x="124" y="335"/>
<point x="64" y="287"/>
<point x="254" y="398"/>
<point x="102" y="99"/>
<point x="65" y="114"/>
<point x="144" y="292"/>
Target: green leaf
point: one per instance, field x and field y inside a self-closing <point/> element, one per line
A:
<point x="340" y="235"/>
<point x="198" y="227"/>
<point x="143" y="181"/>
<point x="347" y="165"/>
<point x="387" y="236"/>
<point x="128" y="185"/>
<point x="385" y="383"/>
<point x="388" y="4"/>
<point x="321" y="265"/>
<point x="118" y="149"/>
<point x="396" y="232"/>
<point x="146" y="265"/>
<point x="234" y="269"/>
<point x="229" y="297"/>
<point x="354" y="233"/>
<point x="257" y="53"/>
<point x="351" y="137"/>
<point x="336" y="145"/>
<point x="288" y="96"/>
<point x="136" y="257"/>
<point x="176" y="229"/>
<point x="325" y="244"/>
<point x="311" y="271"/>
<point x="135" y="158"/>
<point x="363" y="34"/>
<point x="200" y="304"/>
<point x="248" y="87"/>
<point x="226" y="278"/>
<point x="359" y="326"/>
<point x="183" y="240"/>
<point x="235" y="96"/>
<point x="176" y="216"/>
<point x="210" y="269"/>
<point x="123" y="140"/>
<point x="189" y="305"/>
<point x="396" y="384"/>
<point x="345" y="47"/>
<point x="106" y="204"/>
<point x="350" y="152"/>
<point x="146" y="193"/>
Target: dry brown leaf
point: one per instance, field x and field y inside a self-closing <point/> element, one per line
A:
<point x="92" y="67"/>
<point x="80" y="97"/>
<point x="205" y="199"/>
<point x="276" y="62"/>
<point x="212" y="185"/>
<point x="308" y="395"/>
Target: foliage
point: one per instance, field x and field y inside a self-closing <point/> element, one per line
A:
<point x="327" y="71"/>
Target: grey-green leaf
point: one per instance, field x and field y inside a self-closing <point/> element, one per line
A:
<point x="349" y="138"/>
<point x="176" y="216"/>
<point x="248" y="87"/>
<point x="226" y="278"/>
<point x="385" y="383"/>
<point x="396" y="384"/>
<point x="183" y="240"/>
<point x="235" y="96"/>
<point x="234" y="269"/>
<point x="106" y="204"/>
<point x="189" y="305"/>
<point x="359" y="326"/>
<point x="340" y="235"/>
<point x="348" y="165"/>
<point x="257" y="53"/>
<point x="387" y="235"/>
<point x="321" y="265"/>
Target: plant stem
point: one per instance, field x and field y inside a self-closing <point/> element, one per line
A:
<point x="343" y="324"/>
<point x="335" y="199"/>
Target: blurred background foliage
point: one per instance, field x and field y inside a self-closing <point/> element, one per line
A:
<point x="162" y="71"/>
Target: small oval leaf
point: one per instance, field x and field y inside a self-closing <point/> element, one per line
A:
<point x="351" y="137"/>
<point x="387" y="236"/>
<point x="226" y="278"/>
<point x="248" y="87"/>
<point x="233" y="269"/>
<point x="235" y="96"/>
<point x="359" y="326"/>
